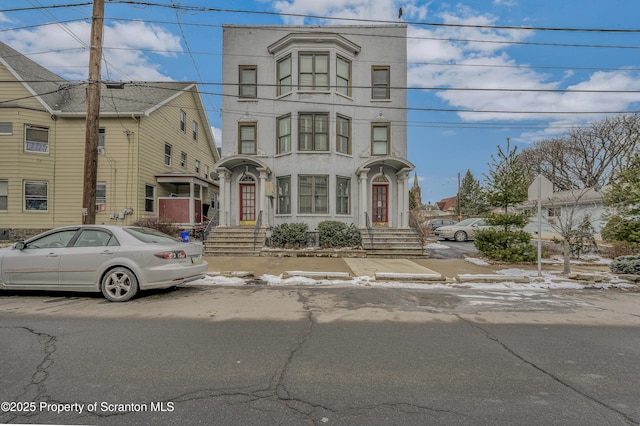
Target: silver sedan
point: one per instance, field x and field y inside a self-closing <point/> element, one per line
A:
<point x="461" y="231"/>
<point x="114" y="260"/>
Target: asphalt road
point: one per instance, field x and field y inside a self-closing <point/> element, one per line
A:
<point x="454" y="250"/>
<point x="358" y="356"/>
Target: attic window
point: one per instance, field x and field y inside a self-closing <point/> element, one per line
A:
<point x="6" y="128"/>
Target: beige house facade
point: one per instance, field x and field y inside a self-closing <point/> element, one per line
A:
<point x="155" y="156"/>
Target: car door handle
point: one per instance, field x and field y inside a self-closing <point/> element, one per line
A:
<point x="108" y="252"/>
<point x="53" y="255"/>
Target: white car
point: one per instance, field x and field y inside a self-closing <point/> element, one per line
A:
<point x="461" y="231"/>
<point x="115" y="260"/>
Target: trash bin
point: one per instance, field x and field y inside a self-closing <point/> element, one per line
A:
<point x="184" y="236"/>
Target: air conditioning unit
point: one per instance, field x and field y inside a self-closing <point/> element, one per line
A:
<point x="101" y="150"/>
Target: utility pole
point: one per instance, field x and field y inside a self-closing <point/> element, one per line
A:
<point x="93" y="115"/>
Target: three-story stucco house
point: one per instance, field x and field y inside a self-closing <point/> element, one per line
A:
<point x="314" y="126"/>
<point x="155" y="154"/>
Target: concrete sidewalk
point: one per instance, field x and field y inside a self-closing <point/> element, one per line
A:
<point x="328" y="267"/>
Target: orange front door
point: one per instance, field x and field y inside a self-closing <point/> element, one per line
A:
<point x="247" y="203"/>
<point x="380" y="204"/>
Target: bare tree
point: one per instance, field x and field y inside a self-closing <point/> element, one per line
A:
<point x="586" y="156"/>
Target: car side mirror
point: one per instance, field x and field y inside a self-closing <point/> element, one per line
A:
<point x="20" y="245"/>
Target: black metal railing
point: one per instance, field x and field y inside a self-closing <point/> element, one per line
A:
<point x="213" y="222"/>
<point x="256" y="230"/>
<point x="369" y="228"/>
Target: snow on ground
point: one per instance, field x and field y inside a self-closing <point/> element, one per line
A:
<point x="548" y="281"/>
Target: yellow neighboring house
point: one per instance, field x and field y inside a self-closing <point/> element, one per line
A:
<point x="156" y="151"/>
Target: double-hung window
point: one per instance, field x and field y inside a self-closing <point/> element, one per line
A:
<point x="343" y="76"/>
<point x="101" y="140"/>
<point x="343" y="134"/>
<point x="284" y="76"/>
<point x="284" y="195"/>
<point x="149" y="198"/>
<point x="4" y="194"/>
<point x="380" y="82"/>
<point x="167" y="154"/>
<point x="380" y="139"/>
<point x="313" y="71"/>
<point x="313" y="194"/>
<point x="343" y="189"/>
<point x="36" y="195"/>
<point x="313" y="132"/>
<point x="183" y="121"/>
<point x="195" y="131"/>
<point x="36" y="139"/>
<point x="183" y="160"/>
<point x="101" y="197"/>
<point x="247" y="138"/>
<point x="248" y="82"/>
<point x="197" y="167"/>
<point x="284" y="135"/>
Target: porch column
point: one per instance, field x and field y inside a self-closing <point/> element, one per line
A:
<point x="223" y="197"/>
<point x="263" y="197"/>
<point x="363" y="198"/>
<point x="192" y="204"/>
<point x="403" y="198"/>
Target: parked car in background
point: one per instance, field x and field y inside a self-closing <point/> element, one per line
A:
<point x="461" y="231"/>
<point x="437" y="223"/>
<point x="116" y="261"/>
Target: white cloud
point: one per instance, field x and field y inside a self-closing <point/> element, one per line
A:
<point x="217" y="135"/>
<point x="383" y="10"/>
<point x="70" y="57"/>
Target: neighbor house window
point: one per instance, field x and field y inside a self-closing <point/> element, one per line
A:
<point x="380" y="83"/>
<point x="149" y="198"/>
<point x="313" y="71"/>
<point x="343" y="189"/>
<point x="183" y="159"/>
<point x="206" y="172"/>
<point x="555" y="212"/>
<point x="313" y="194"/>
<point x="4" y="194"/>
<point x="167" y="154"/>
<point x="248" y="82"/>
<point x="284" y="134"/>
<point x="284" y="76"/>
<point x="195" y="131"/>
<point x="101" y="140"/>
<point x="6" y="128"/>
<point x="183" y="121"/>
<point x="380" y="139"/>
<point x="343" y="76"/>
<point x="36" y="139"/>
<point x="101" y="197"/>
<point x="247" y="138"/>
<point x="284" y="195"/>
<point x="313" y="132"/>
<point x="197" y="167"/>
<point x="343" y="134"/>
<point x="36" y="194"/>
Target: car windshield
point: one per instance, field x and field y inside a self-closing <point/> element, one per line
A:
<point x="467" y="222"/>
<point x="148" y="235"/>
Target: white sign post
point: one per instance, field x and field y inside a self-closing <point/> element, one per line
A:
<point x="541" y="187"/>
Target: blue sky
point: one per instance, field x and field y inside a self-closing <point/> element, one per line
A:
<point x="449" y="131"/>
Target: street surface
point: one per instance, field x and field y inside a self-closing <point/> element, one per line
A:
<point x="333" y="355"/>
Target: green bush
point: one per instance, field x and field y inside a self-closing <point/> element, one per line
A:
<point x="626" y="265"/>
<point x="505" y="246"/>
<point x="338" y="234"/>
<point x="289" y="235"/>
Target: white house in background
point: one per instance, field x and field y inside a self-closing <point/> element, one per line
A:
<point x="560" y="205"/>
<point x="314" y="125"/>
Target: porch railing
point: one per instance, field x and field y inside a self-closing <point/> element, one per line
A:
<point x="369" y="228"/>
<point x="256" y="229"/>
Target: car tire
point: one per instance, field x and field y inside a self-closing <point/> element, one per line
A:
<point x="119" y="285"/>
<point x="460" y="236"/>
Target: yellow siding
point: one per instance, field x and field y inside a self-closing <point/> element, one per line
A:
<point x="16" y="93"/>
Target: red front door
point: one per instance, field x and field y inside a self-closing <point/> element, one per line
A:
<point x="247" y="203"/>
<point x="380" y="203"/>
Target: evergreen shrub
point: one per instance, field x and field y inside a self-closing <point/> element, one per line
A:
<point x="289" y="235"/>
<point x="335" y="234"/>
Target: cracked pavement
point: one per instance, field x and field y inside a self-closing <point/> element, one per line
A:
<point x="257" y="355"/>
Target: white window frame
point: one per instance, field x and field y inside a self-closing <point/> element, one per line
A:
<point x="4" y="195"/>
<point x="27" y="198"/>
<point x="183" y="121"/>
<point x="168" y="155"/>
<point x="148" y="198"/>
<point x="6" y="128"/>
<point x="44" y="146"/>
<point x="195" y="131"/>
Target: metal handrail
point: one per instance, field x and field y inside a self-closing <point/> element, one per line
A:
<point x="204" y="234"/>
<point x="413" y="223"/>
<point x="256" y="230"/>
<point x="369" y="228"/>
